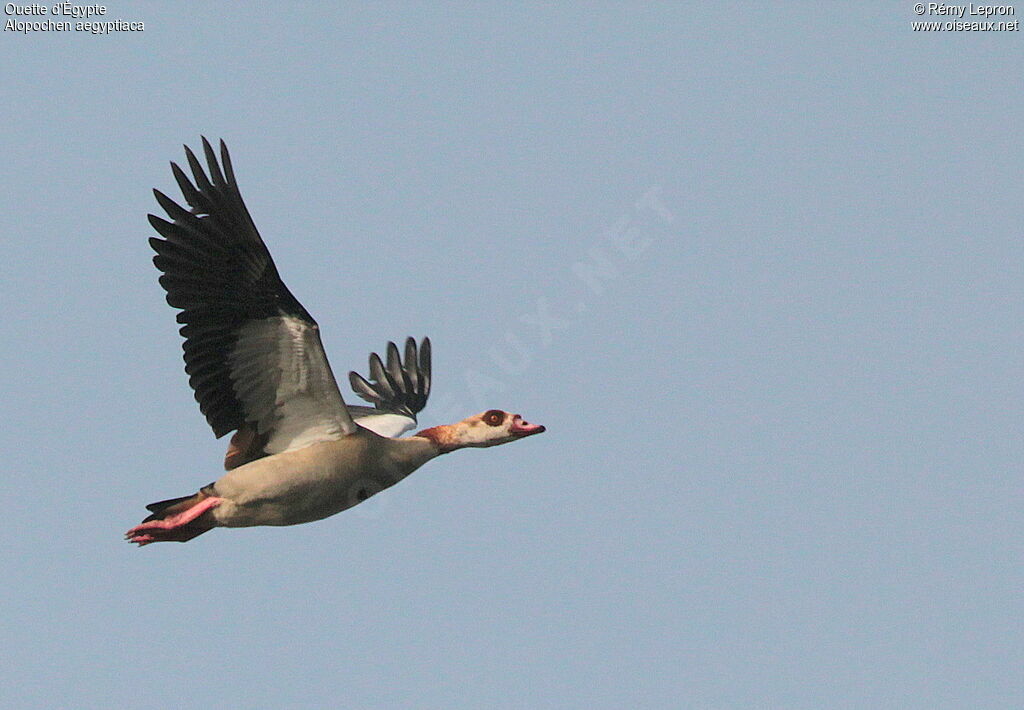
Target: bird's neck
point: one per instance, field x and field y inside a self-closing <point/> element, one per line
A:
<point x="443" y="438"/>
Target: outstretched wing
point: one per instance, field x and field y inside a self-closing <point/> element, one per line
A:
<point x="252" y="352"/>
<point x="398" y="391"/>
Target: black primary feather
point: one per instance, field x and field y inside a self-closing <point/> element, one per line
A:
<point x="400" y="387"/>
<point x="218" y="271"/>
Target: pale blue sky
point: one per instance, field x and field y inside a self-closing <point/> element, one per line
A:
<point x="758" y="268"/>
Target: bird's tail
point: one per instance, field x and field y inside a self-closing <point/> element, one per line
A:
<point x="176" y="519"/>
<point x="172" y="506"/>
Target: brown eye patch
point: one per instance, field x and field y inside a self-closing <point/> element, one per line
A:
<point x="494" y="417"/>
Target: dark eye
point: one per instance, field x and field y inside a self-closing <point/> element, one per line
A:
<point x="494" y="417"/>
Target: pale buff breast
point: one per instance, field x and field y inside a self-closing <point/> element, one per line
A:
<point x="317" y="481"/>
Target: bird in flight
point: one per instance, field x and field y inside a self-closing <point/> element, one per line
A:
<point x="255" y="361"/>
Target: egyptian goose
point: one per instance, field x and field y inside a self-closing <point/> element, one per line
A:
<point x="254" y="358"/>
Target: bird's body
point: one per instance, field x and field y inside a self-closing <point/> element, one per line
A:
<point x="255" y="360"/>
<point x="317" y="481"/>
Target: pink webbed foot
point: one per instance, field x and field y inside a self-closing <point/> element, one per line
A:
<point x="177" y="528"/>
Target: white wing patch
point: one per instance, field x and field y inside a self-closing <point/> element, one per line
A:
<point x="390" y="425"/>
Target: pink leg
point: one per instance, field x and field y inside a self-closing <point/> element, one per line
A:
<point x="159" y="530"/>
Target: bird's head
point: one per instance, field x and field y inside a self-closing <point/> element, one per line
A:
<point x="489" y="428"/>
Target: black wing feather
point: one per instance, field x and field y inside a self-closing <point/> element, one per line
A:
<point x="400" y="387"/>
<point x="217" y="269"/>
